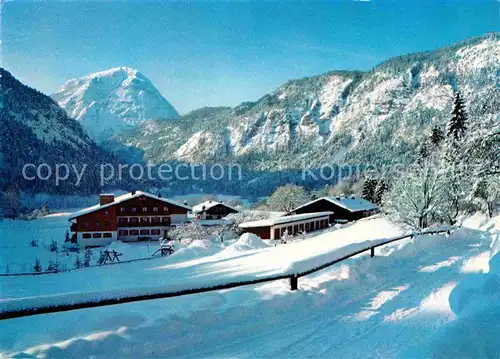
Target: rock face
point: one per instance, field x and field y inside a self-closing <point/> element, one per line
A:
<point x="111" y="101"/>
<point x="35" y="130"/>
<point x="356" y="117"/>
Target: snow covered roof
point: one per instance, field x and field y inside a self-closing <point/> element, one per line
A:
<point x="124" y="198"/>
<point x="350" y="203"/>
<point x="209" y="204"/>
<point x="284" y="219"/>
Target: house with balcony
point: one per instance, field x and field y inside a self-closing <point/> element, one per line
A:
<point x="130" y="217"/>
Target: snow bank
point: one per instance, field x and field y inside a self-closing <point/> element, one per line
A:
<point x="247" y="242"/>
<point x="195" y="249"/>
<point x="476" y="302"/>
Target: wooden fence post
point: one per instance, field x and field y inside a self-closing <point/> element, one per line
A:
<point x="294" y="281"/>
<point x="372" y="252"/>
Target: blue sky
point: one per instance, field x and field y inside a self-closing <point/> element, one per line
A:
<point x="222" y="53"/>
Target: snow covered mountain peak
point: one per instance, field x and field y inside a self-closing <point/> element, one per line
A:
<point x="110" y="101"/>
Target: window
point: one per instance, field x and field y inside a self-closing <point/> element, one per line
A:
<point x="144" y="220"/>
<point x="97" y="224"/>
<point x="108" y="235"/>
<point x="86" y="224"/>
<point x="106" y="223"/>
<point x="165" y="220"/>
<point x="155" y="209"/>
<point x="276" y="233"/>
<point x="156" y="219"/>
<point x="144" y="209"/>
<point x="165" y="209"/>
<point x="296" y="229"/>
<point x="283" y="230"/>
<point x="307" y="227"/>
<point x="134" y="232"/>
<point x="106" y="213"/>
<point x="86" y="235"/>
<point x="289" y="230"/>
<point x="134" y="209"/>
<point x="122" y="220"/>
<point x="209" y="216"/>
<point x="144" y="231"/>
<point x="122" y="209"/>
<point x="123" y="232"/>
<point x="133" y="220"/>
<point x="155" y="231"/>
<point x="96" y="235"/>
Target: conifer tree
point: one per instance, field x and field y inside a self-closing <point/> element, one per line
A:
<point x="457" y="125"/>
<point x="380" y="191"/>
<point x="37" y="267"/>
<point x="86" y="258"/>
<point x="369" y="189"/>
<point x="437" y="136"/>
<point x="78" y="263"/>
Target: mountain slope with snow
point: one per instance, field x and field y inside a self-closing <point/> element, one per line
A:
<point x="362" y="117"/>
<point x="110" y="101"/>
<point x="35" y="130"/>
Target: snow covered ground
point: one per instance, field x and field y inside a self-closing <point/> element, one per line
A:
<point x="393" y="305"/>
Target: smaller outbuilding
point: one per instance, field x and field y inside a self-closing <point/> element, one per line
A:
<point x="211" y="210"/>
<point x="344" y="208"/>
<point x="293" y="224"/>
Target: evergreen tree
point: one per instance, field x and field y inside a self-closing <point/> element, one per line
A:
<point x="437" y="136"/>
<point x="369" y="189"/>
<point x="424" y="152"/>
<point x="37" y="267"/>
<point x="66" y="237"/>
<point x="86" y="258"/>
<point x="380" y="191"/>
<point x="78" y="263"/>
<point x="457" y="125"/>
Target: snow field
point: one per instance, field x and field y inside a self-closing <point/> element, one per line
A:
<point x="364" y="307"/>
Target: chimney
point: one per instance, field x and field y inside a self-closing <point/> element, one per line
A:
<point x="106" y="198"/>
<point x="133" y="192"/>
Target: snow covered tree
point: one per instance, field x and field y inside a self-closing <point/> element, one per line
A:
<point x="86" y="257"/>
<point x="37" y="267"/>
<point x="53" y="246"/>
<point x="487" y="192"/>
<point x="369" y="187"/>
<point x="53" y="266"/>
<point x="380" y="191"/>
<point x="436" y="137"/>
<point x="10" y="202"/>
<point x="458" y="122"/>
<point x="34" y="243"/>
<point x="286" y="198"/>
<point x="191" y="230"/>
<point x="78" y="263"/>
<point x="416" y="197"/>
<point x="286" y="237"/>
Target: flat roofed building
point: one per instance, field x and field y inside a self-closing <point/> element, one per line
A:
<point x="293" y="224"/>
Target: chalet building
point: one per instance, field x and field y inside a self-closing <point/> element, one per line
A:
<point x="212" y="210"/>
<point x="344" y="208"/>
<point x="293" y="224"/>
<point x="130" y="217"/>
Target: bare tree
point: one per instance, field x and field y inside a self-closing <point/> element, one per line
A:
<point x="287" y="197"/>
<point x="416" y="198"/>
